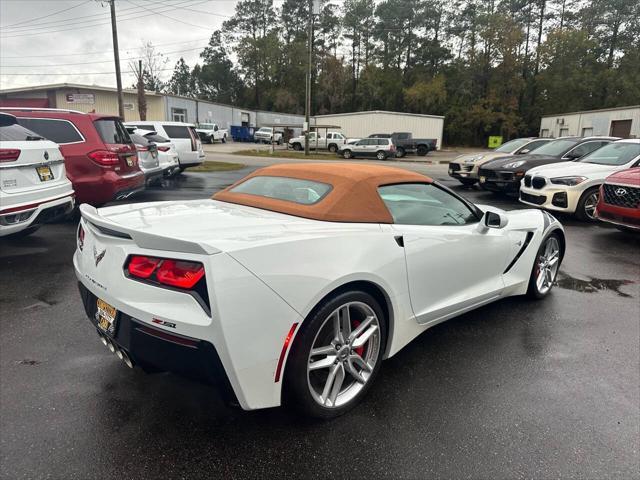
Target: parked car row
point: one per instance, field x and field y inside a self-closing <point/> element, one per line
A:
<point x="52" y="159"/>
<point x="403" y="143"/>
<point x="590" y="177"/>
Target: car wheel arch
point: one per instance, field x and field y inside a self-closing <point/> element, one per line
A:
<point x="368" y="286"/>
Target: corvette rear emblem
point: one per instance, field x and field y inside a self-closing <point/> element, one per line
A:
<point x="98" y="256"/>
<point x="621" y="191"/>
<point x="46" y="155"/>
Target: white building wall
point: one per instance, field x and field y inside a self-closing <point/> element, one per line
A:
<point x="594" y="122"/>
<point x="363" y="124"/>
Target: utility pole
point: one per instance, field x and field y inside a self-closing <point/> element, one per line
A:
<point x="116" y="56"/>
<point x="307" y="108"/>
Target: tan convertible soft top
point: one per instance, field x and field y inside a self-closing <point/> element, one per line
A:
<point x="353" y="198"/>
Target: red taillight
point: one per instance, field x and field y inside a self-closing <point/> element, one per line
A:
<point x="178" y="273"/>
<point x="142" y="267"/>
<point x="142" y="148"/>
<point x="164" y="149"/>
<point x="9" y="154"/>
<point x="80" y="237"/>
<point x="105" y="158"/>
<point x="174" y="273"/>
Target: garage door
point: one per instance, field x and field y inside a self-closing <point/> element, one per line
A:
<point x="621" y="128"/>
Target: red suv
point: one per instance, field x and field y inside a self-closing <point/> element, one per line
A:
<point x="100" y="158"/>
<point x="620" y="200"/>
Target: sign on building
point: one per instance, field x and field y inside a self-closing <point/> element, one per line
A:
<point x="128" y="106"/>
<point x="81" y="98"/>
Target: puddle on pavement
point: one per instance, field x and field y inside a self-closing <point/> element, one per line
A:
<point x="593" y="285"/>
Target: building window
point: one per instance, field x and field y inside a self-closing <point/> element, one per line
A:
<point x="587" y="131"/>
<point x="179" y="114"/>
<point x="544" y="133"/>
<point x="564" y="132"/>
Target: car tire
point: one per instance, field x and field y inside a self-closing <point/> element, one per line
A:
<point x="305" y="386"/>
<point x="586" y="207"/>
<point x="400" y="152"/>
<point x="381" y="155"/>
<point x="297" y="146"/>
<point x="224" y="139"/>
<point x="543" y="273"/>
<point x="422" y="150"/>
<point x="333" y="148"/>
<point x="347" y="154"/>
<point x="467" y="182"/>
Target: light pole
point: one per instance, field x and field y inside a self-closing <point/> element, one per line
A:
<point x="307" y="107"/>
<point x="116" y="56"/>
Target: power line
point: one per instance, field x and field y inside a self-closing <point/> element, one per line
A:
<point x="173" y="18"/>
<point x="76" y="74"/>
<point x="46" y="16"/>
<point x="80" y="26"/>
<point x="102" y="52"/>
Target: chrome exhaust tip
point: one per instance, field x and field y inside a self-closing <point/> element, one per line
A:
<point x="103" y="339"/>
<point x="119" y="354"/>
<point x="111" y="346"/>
<point x="126" y="358"/>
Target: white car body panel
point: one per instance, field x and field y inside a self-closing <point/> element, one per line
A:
<point x="21" y="186"/>
<point x="595" y="175"/>
<point x="264" y="256"/>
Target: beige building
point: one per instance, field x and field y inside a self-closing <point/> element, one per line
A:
<point x="618" y="122"/>
<point x="363" y="124"/>
<point x="83" y="98"/>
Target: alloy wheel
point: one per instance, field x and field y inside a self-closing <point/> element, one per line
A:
<point x="590" y="205"/>
<point x="344" y="354"/>
<point x="547" y="265"/>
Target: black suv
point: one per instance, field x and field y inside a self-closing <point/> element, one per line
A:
<point x="504" y="174"/>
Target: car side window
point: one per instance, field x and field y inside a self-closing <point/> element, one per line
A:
<point x="382" y="141"/>
<point x="425" y="204"/>
<point x="58" y="131"/>
<point x="531" y="146"/>
<point x="584" y="148"/>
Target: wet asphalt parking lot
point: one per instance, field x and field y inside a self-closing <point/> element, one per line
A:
<point x="516" y="389"/>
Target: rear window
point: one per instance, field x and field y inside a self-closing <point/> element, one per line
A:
<point x="17" y="133"/>
<point x="56" y="130"/>
<point x="139" y="139"/>
<point x="304" y="192"/>
<point x="177" y="131"/>
<point x="154" y="137"/>
<point x="112" y="131"/>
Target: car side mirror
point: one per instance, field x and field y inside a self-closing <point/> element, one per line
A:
<point x="495" y="220"/>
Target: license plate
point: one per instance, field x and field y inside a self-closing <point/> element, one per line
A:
<point x="483" y="179"/>
<point x="45" y="173"/>
<point x="106" y="316"/>
<point x="130" y="161"/>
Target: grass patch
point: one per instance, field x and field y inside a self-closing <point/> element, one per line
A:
<point x="287" y="154"/>
<point x="216" y="167"/>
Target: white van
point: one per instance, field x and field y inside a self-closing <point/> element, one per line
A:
<point x="182" y="135"/>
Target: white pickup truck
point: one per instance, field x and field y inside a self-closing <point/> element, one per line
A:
<point x="333" y="142"/>
<point x="209" y="133"/>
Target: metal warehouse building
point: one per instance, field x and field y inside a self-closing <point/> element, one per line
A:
<point x="363" y="124"/>
<point x="92" y="98"/>
<point x="618" y="122"/>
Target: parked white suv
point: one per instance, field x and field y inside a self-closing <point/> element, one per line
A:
<point x="268" y="135"/>
<point x="182" y="135"/>
<point x="34" y="188"/>
<point x="333" y="142"/>
<point x="380" y="148"/>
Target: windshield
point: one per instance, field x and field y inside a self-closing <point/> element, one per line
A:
<point x="265" y="130"/>
<point x="556" y="148"/>
<point x="206" y="126"/>
<point x="512" y="145"/>
<point x="613" y="154"/>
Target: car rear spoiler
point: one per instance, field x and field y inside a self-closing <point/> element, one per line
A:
<point x="142" y="239"/>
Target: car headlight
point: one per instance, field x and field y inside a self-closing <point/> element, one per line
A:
<point x="474" y="159"/>
<point x="569" y="181"/>
<point x="517" y="164"/>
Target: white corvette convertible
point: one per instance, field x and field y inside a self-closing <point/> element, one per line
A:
<point x="293" y="285"/>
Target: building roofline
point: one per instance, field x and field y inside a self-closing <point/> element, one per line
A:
<point x="54" y="86"/>
<point x="379" y="111"/>
<point x="237" y="107"/>
<point x="630" y="107"/>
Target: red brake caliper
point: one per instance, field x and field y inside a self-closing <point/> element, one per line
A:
<point x="359" y="350"/>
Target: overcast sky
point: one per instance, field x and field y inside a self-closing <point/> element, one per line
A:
<point x="58" y="41"/>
